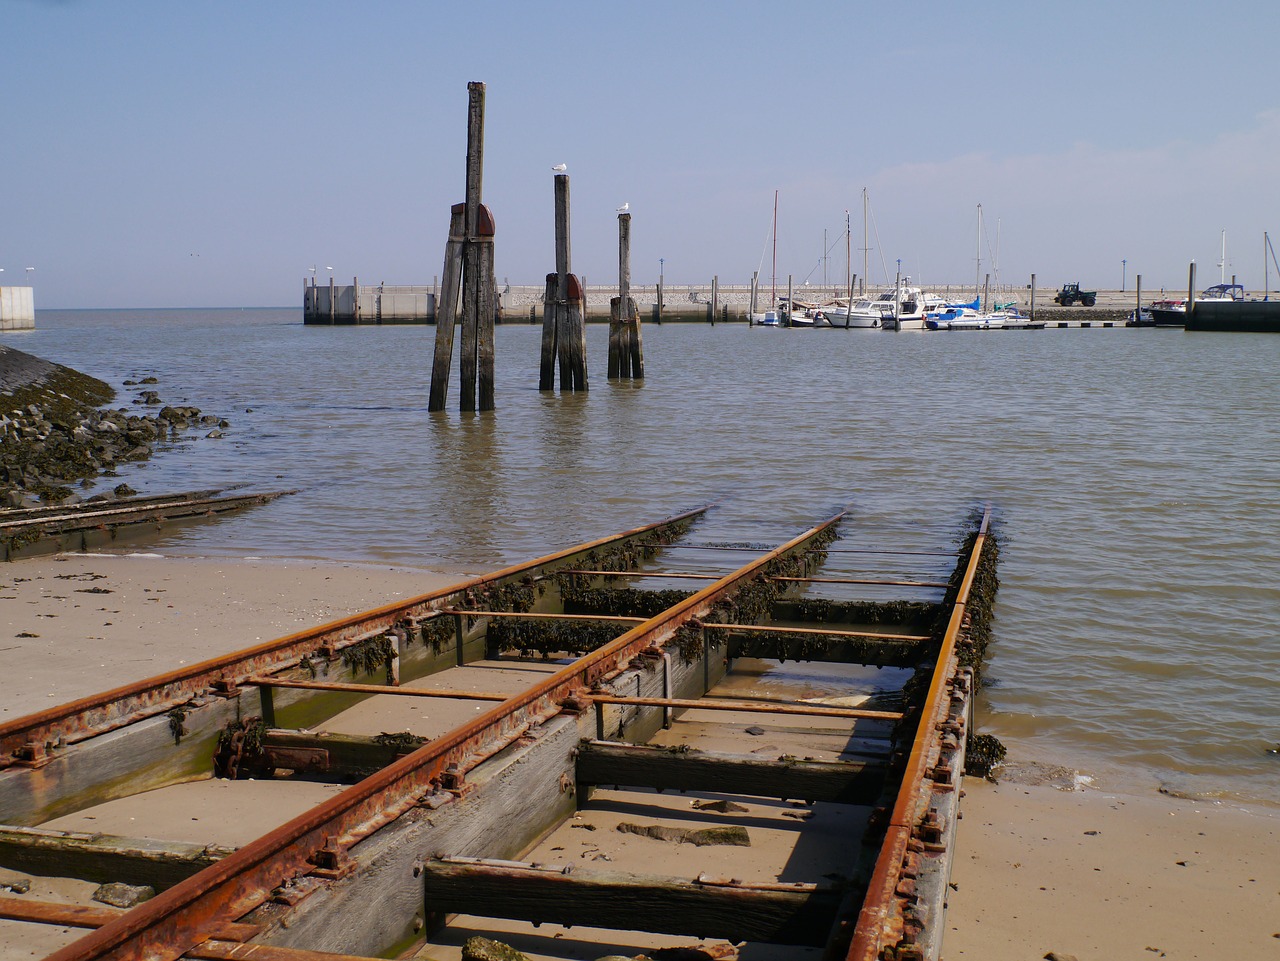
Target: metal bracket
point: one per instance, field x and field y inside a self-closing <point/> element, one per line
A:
<point x="332" y="861"/>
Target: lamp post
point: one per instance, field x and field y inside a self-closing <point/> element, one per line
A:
<point x="1124" y="268"/>
<point x="28" y="270"/>
<point x="661" y="284"/>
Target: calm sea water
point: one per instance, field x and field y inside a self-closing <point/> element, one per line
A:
<point x="1135" y="475"/>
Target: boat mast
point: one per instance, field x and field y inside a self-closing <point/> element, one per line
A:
<point x="1222" y="264"/>
<point x="775" y="249"/>
<point x="977" y="276"/>
<point x="848" y="255"/>
<point x="862" y="287"/>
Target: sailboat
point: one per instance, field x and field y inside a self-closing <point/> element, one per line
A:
<point x="771" y="317"/>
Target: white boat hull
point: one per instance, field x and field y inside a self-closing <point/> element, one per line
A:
<point x="839" y="317"/>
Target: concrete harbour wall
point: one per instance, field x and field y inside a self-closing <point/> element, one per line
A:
<point x="17" y="308"/>
<point x="365" y="304"/>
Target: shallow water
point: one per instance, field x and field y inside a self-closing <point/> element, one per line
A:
<point x="1135" y="476"/>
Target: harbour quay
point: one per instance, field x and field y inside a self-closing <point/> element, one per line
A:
<point x="17" y="308"/>
<point x="710" y="302"/>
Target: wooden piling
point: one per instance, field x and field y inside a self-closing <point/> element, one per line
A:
<point x="447" y="309"/>
<point x="469" y="272"/>
<point x="1137" y="306"/>
<point x="1191" y="289"/>
<point x="1031" y="310"/>
<point x="626" y="356"/>
<point x="564" y="334"/>
<point x="715" y="298"/>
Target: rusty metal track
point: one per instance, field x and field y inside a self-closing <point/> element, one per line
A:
<point x="180" y="918"/>
<point x="886" y="927"/>
<point x="24" y="740"/>
<point x="43" y="530"/>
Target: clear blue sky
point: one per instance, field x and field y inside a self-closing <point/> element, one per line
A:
<point x="207" y="154"/>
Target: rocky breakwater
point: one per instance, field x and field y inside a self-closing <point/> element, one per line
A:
<point x="55" y="431"/>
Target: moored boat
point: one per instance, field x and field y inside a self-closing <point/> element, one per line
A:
<point x="1173" y="313"/>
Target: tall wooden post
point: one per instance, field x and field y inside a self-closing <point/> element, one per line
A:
<point x="1031" y="310"/>
<point x="468" y="271"/>
<point x="564" y="335"/>
<point x="1191" y="289"/>
<point x="715" y="298"/>
<point x="626" y="356"/>
<point x="1137" y="307"/>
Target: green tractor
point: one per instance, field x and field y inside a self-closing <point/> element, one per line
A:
<point x="1072" y="294"/>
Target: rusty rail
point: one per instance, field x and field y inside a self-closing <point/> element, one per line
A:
<point x="797" y="709"/>
<point x="179" y="919"/>
<point x="881" y="917"/>
<point x="121" y="706"/>
<point x="395" y="691"/>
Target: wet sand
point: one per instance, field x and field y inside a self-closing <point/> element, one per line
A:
<point x="1086" y="872"/>
<point x="78" y="624"/>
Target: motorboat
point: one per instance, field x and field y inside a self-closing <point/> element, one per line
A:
<point x="770" y="318"/>
<point x="1139" y="317"/>
<point x="1173" y="313"/>
<point x="801" y="313"/>
<point x="861" y="313"/>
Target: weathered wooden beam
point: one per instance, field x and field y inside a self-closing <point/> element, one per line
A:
<point x="447" y="309"/>
<point x="486" y="309"/>
<point x="328" y="756"/>
<point x="799" y="914"/>
<point x="545" y="616"/>
<point x="103" y="857"/>
<point x="377" y="689"/>
<point x="224" y="951"/>
<point x="550" y="332"/>
<point x="858" y="580"/>
<point x="762" y="707"/>
<point x="836" y="649"/>
<point x="636" y="575"/>
<point x="813" y="632"/>
<point x="95" y="916"/>
<point x="642" y="765"/>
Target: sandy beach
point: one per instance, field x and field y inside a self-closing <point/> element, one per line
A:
<point x="1085" y="872"/>
<point x="77" y="624"/>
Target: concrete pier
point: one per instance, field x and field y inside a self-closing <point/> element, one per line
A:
<point x="17" y="308"/>
<point x="356" y="303"/>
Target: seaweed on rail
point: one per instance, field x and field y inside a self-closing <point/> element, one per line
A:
<point x="821" y="610"/>
<point x="368" y="655"/>
<point x="545" y="638"/>
<point x="621" y="601"/>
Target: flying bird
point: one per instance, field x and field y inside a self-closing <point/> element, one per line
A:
<point x="560" y="168"/>
<point x="624" y="208"/>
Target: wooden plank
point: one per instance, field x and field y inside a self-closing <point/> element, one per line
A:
<point x="550" y="333"/>
<point x="447" y="309"/>
<point x="376" y="689"/>
<point x="97" y="915"/>
<point x="574" y="344"/>
<point x="468" y="346"/>
<point x="836" y="649"/>
<point x="103" y="857"/>
<point x="326" y="756"/>
<point x="641" y="765"/>
<point x="635" y="341"/>
<point x="800" y="914"/>
<point x="486" y="309"/>
<point x="762" y="707"/>
<point x="225" y="951"/>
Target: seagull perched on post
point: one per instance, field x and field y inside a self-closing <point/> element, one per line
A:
<point x="560" y="168"/>
<point x="624" y="208"/>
